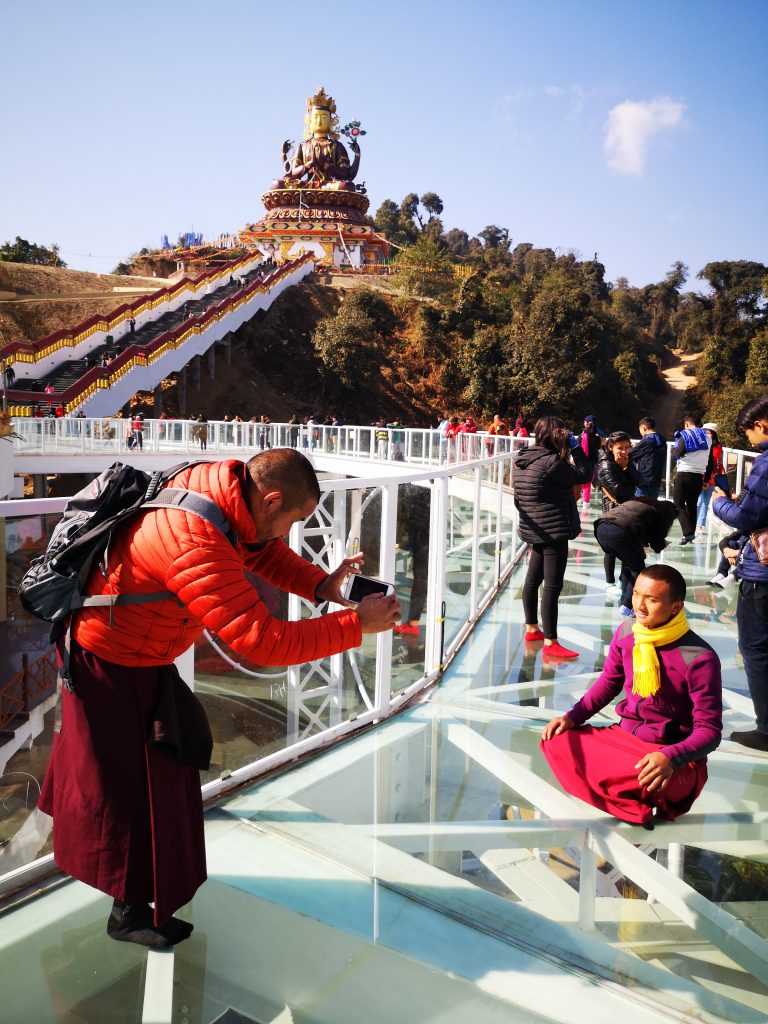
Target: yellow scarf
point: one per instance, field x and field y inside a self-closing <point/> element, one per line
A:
<point x="646" y="677"/>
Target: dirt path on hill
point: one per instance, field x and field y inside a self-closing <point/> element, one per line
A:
<point x="668" y="411"/>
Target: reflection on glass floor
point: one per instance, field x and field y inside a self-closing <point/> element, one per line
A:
<point x="432" y="870"/>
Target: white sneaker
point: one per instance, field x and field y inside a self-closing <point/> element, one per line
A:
<point x="612" y="589"/>
<point x="718" y="580"/>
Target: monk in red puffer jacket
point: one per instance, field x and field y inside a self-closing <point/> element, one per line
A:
<point x="127" y="816"/>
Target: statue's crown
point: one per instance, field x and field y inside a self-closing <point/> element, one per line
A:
<point x="322" y="101"/>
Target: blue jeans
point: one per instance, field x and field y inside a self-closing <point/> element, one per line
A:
<point x="647" y="491"/>
<point x="752" y="621"/>
<point x="702" y="506"/>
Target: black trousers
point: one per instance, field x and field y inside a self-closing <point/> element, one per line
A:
<point x="685" y="494"/>
<point x="609" y="564"/>
<point x="628" y="549"/>
<point x="752" y="621"/>
<point x="546" y="564"/>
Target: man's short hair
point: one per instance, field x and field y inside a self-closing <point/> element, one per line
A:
<point x="669" y="575"/>
<point x="693" y="419"/>
<point x="649" y="422"/>
<point x="287" y="471"/>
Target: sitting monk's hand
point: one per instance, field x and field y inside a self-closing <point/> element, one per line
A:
<point x="654" y="771"/>
<point x="557" y="725"/>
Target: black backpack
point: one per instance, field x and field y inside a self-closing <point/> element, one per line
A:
<point x="54" y="585"/>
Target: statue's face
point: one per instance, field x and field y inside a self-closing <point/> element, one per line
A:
<point x="321" y="121"/>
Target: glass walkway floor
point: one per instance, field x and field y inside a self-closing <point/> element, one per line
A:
<point x="433" y="870"/>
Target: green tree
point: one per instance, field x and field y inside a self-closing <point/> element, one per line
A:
<point x="349" y="348"/>
<point x="738" y="294"/>
<point x="409" y="209"/>
<point x="432" y="203"/>
<point x="22" y="251"/>
<point x="691" y="322"/>
<point x="387" y="219"/>
<point x="433" y="230"/>
<point x="494" y="237"/>
<point x="457" y="241"/>
<point x="424" y="268"/>
<point x="757" y="362"/>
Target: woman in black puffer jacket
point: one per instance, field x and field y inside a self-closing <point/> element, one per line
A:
<point x="618" y="479"/>
<point x="544" y="479"/>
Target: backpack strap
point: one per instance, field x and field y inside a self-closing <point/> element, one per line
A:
<point x="169" y="497"/>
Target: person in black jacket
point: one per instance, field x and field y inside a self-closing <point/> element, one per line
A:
<point x="618" y="480"/>
<point x="624" y="531"/>
<point x="544" y="479"/>
<point x="649" y="459"/>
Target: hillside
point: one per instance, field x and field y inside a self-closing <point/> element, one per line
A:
<point x="35" y="301"/>
<point x="275" y="370"/>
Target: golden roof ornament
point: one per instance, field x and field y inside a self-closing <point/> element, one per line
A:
<point x="321" y="100"/>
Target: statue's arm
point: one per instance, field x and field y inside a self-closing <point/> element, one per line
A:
<point x="355" y="165"/>
<point x="300" y="164"/>
<point x="345" y="171"/>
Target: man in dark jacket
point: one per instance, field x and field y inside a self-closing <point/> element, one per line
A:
<point x="624" y="531"/>
<point x="748" y="515"/>
<point x="649" y="459"/>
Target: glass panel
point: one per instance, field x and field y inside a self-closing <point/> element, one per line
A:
<point x="488" y="556"/>
<point x="458" y="554"/>
<point x="414" y="504"/>
<point x="27" y="696"/>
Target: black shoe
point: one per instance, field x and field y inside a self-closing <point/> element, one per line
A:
<point x="134" y="922"/>
<point x="754" y="739"/>
<point x="688" y="539"/>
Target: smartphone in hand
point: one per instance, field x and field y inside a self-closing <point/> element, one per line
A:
<point x="357" y="587"/>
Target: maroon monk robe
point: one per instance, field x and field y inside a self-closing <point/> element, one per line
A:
<point x="598" y="766"/>
<point x="127" y="819"/>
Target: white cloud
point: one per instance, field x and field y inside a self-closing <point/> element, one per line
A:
<point x="554" y="90"/>
<point x="631" y="126"/>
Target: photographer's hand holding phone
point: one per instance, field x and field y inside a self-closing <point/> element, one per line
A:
<point x="378" y="613"/>
<point x="332" y="588"/>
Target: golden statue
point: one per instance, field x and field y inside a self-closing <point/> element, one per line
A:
<point x="317" y="207"/>
<point x="320" y="161"/>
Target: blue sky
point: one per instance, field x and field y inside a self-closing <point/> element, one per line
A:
<point x="636" y="130"/>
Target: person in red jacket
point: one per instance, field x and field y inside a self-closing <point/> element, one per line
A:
<point x="127" y="817"/>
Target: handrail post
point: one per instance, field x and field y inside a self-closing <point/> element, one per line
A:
<point x="388" y="539"/>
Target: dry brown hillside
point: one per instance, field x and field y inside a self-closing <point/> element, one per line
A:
<point x="35" y="301"/>
<point x="274" y="369"/>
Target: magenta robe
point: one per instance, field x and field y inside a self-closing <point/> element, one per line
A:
<point x="127" y="819"/>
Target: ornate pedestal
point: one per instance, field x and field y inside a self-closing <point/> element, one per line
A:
<point x="328" y="221"/>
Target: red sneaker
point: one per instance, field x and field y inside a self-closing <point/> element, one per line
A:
<point x="534" y="638"/>
<point x="558" y="651"/>
<point x="406" y="629"/>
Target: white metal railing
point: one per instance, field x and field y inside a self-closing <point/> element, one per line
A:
<point x="416" y="445"/>
<point x="114" y="435"/>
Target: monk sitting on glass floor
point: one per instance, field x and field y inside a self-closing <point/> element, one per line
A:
<point x="655" y="759"/>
